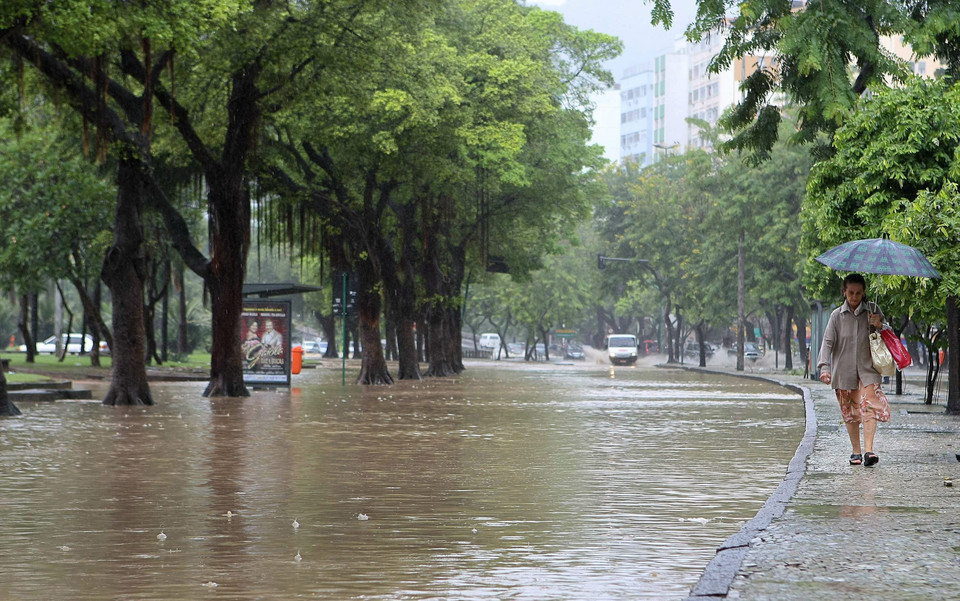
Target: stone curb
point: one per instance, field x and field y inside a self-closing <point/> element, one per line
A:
<point x="718" y="576"/>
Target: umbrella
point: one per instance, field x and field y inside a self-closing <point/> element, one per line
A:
<point x="880" y="256"/>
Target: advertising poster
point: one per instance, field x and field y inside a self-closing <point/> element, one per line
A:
<point x="265" y="340"/>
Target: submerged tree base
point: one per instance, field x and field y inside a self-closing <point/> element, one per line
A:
<point x="380" y="377"/>
<point x="118" y="398"/>
<point x="440" y="369"/>
<point x="222" y="387"/>
<point x="8" y="409"/>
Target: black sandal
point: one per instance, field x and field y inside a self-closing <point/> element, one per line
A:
<point x="856" y="459"/>
<point x="870" y="458"/>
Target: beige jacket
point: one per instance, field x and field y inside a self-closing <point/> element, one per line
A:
<point x="845" y="352"/>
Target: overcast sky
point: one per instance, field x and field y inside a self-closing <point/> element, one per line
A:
<point x="629" y="20"/>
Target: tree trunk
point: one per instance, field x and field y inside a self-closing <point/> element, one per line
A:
<point x="165" y="316"/>
<point x="150" y="338"/>
<point x="390" y="331"/>
<point x="453" y="338"/>
<point x="328" y="323"/>
<point x="183" y="345"/>
<point x="229" y="225"/>
<point x="7" y="408"/>
<point x="440" y="366"/>
<point x="58" y="320"/>
<point x="701" y="337"/>
<point x="123" y="273"/>
<point x="953" y="355"/>
<point x="94" y="318"/>
<point x="787" y="338"/>
<point x="741" y="301"/>
<point x="933" y="369"/>
<point x="226" y="367"/>
<point x="230" y="222"/>
<point x="801" y="321"/>
<point x="440" y="363"/>
<point x="97" y="327"/>
<point x="668" y="325"/>
<point x="373" y="368"/>
<point x="407" y="350"/>
<point x="34" y="318"/>
<point x="545" y="334"/>
<point x="22" y="325"/>
<point x="421" y="337"/>
<point x="400" y="290"/>
<point x="409" y="367"/>
<point x="454" y="325"/>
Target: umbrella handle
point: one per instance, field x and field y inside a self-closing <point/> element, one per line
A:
<point x="876" y="309"/>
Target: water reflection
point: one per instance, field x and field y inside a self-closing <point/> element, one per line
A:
<point x="546" y="483"/>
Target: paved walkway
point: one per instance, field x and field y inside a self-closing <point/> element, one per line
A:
<point x="836" y="531"/>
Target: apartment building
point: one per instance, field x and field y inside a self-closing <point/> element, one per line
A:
<point x="636" y="114"/>
<point x="659" y="97"/>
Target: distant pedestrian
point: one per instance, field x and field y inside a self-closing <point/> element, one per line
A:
<point x="846" y="365"/>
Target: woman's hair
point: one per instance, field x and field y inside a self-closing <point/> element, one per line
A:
<point x="854" y="278"/>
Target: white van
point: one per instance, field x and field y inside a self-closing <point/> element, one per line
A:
<point x="622" y="349"/>
<point x="489" y="342"/>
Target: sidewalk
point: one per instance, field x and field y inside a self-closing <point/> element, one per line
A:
<point x="836" y="531"/>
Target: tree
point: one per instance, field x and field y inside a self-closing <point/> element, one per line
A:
<point x="458" y="128"/>
<point x="57" y="40"/>
<point x="54" y="208"/>
<point x="762" y="204"/>
<point x="664" y="219"/>
<point x="552" y="297"/>
<point x="811" y="50"/>
<point x="894" y="173"/>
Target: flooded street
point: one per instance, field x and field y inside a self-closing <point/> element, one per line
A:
<point x="509" y="482"/>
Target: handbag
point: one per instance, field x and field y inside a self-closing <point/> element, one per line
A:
<point x="899" y="352"/>
<point x="880" y="354"/>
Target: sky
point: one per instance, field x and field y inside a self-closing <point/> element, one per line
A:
<point x="629" y="20"/>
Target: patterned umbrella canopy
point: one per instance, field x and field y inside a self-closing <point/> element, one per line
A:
<point x="879" y="255"/>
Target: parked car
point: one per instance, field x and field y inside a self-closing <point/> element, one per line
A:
<point x="750" y="350"/>
<point x="515" y="349"/>
<point x="693" y="349"/>
<point x="489" y="341"/>
<point x="314" y="346"/>
<point x="71" y="341"/>
<point x="573" y="351"/>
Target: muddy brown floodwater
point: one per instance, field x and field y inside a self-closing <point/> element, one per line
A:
<point x="510" y="482"/>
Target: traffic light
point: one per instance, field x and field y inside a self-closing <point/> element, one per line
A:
<point x="600" y="263"/>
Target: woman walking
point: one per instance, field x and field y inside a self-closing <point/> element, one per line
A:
<point x="846" y="365"/>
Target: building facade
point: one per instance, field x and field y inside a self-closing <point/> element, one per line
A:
<point x="636" y="114"/>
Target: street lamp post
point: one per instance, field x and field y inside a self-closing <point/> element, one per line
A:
<point x="664" y="149"/>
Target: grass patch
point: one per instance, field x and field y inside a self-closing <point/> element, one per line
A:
<point x="20" y="378"/>
<point x="81" y="363"/>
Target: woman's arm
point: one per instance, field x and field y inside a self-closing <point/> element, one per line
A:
<point x="825" y="358"/>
